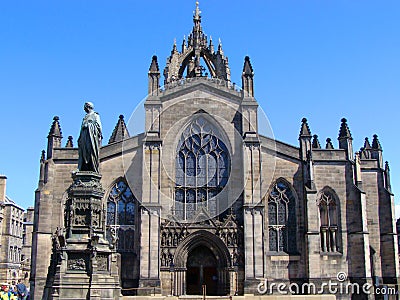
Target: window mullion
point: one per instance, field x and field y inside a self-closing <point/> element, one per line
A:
<point x="184" y="189"/>
<point x="197" y="163"/>
<point x="206" y="183"/>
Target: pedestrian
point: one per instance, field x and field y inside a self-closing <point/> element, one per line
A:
<point x="6" y="294"/>
<point x="21" y="290"/>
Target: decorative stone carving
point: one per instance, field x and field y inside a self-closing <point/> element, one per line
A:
<point x="102" y="262"/>
<point x="227" y="229"/>
<point x="77" y="264"/>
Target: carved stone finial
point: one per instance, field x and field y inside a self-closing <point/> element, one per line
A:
<point x="197" y="12"/>
<point x="120" y="131"/>
<point x="154" y="65"/>
<point x="305" y="129"/>
<point x="55" y="129"/>
<point x="329" y="144"/>
<point x="247" y="67"/>
<point x="344" y="131"/>
<point x="315" y="142"/>
<point x="367" y="145"/>
<point x="70" y="143"/>
<point x="375" y="143"/>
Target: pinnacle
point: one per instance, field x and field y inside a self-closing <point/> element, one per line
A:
<point x="315" y="142"/>
<point x="197" y="12"/>
<point x="120" y="131"/>
<point x="55" y="129"/>
<point x="329" y="144"/>
<point x="70" y="143"/>
<point x="375" y="143"/>
<point x="367" y="145"/>
<point x="344" y="131"/>
<point x="305" y="129"/>
<point x="154" y="65"/>
<point x="247" y="67"/>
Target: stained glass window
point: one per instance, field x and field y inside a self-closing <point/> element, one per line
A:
<point x="273" y="241"/>
<point x="328" y="222"/>
<point x="202" y="169"/>
<point x="282" y="218"/>
<point x="121" y="212"/>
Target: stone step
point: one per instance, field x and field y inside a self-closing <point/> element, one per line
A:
<point x="184" y="297"/>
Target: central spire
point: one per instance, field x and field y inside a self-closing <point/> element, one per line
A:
<point x="194" y="50"/>
<point x="198" y="40"/>
<point x="197" y="12"/>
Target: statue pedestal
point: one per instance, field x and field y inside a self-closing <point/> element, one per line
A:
<point x="86" y="266"/>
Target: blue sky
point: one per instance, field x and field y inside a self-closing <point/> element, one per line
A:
<point x="323" y="60"/>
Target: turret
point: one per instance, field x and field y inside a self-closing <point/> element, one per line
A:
<point x="376" y="151"/>
<point x="306" y="154"/>
<point x="345" y="139"/>
<point x="154" y="77"/>
<point x="54" y="138"/>
<point x="304" y="139"/>
<point x="247" y="78"/>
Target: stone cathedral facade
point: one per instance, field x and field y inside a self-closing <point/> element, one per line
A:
<point x="202" y="198"/>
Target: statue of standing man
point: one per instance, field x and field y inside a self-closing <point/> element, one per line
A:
<point x="89" y="141"/>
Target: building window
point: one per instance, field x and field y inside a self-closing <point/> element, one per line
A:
<point x="329" y="222"/>
<point x="202" y="169"/>
<point x="121" y="213"/>
<point x="282" y="219"/>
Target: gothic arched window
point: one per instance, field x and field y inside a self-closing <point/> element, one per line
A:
<point x="121" y="213"/>
<point x="282" y="219"/>
<point x="202" y="169"/>
<point x="328" y="214"/>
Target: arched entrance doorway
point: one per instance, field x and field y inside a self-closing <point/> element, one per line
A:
<point x="201" y="270"/>
<point x="201" y="259"/>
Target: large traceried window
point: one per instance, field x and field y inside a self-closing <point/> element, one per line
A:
<point x="121" y="211"/>
<point x="328" y="213"/>
<point x="282" y="219"/>
<point x="202" y="169"/>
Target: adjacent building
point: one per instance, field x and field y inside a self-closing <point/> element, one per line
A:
<point x="201" y="197"/>
<point x="12" y="228"/>
<point x="27" y="244"/>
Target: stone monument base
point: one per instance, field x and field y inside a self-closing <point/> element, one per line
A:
<point x="86" y="267"/>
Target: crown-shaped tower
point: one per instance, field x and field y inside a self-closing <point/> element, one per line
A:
<point x="194" y="49"/>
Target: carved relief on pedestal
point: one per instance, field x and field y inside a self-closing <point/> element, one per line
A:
<point x="77" y="263"/>
<point x="102" y="262"/>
